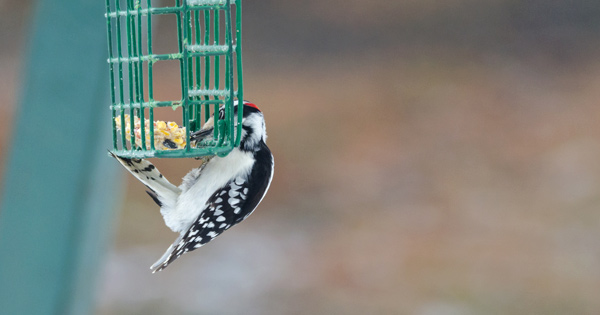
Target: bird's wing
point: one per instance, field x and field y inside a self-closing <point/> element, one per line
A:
<point x="228" y="206"/>
<point x="162" y="191"/>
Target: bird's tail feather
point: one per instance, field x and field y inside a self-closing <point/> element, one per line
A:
<point x="164" y="261"/>
<point x="162" y="191"/>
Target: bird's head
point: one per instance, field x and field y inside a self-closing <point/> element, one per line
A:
<point x="253" y="126"/>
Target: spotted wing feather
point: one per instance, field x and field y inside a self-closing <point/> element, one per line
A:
<point x="225" y="208"/>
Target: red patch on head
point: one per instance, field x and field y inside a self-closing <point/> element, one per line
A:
<point x="251" y="105"/>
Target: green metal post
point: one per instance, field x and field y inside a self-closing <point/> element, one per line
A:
<point x="59" y="185"/>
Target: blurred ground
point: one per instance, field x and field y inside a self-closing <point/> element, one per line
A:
<point x="430" y="159"/>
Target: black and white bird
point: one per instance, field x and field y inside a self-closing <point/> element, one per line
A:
<point x="215" y="196"/>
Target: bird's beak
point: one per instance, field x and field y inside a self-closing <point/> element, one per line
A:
<point x="201" y="134"/>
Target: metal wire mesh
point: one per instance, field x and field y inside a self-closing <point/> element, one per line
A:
<point x="210" y="67"/>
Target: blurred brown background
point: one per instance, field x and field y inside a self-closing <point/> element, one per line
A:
<point x="432" y="157"/>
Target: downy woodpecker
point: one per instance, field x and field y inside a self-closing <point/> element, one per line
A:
<point x="215" y="196"/>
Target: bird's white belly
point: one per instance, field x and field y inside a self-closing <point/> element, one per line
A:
<point x="215" y="175"/>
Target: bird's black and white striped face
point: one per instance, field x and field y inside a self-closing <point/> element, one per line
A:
<point x="253" y="126"/>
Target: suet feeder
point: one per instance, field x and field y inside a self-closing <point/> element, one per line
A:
<point x="210" y="66"/>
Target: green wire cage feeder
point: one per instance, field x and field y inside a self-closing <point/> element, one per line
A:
<point x="210" y="66"/>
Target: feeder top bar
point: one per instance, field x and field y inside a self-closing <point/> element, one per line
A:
<point x="205" y="2"/>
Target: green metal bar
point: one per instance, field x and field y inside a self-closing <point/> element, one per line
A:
<point x="199" y="3"/>
<point x="121" y="91"/>
<point x="163" y="104"/>
<point x="165" y="10"/>
<point x="59" y="191"/>
<point x="151" y="57"/>
<point x="207" y="71"/>
<point x="215" y="49"/>
<point x="134" y="50"/>
<point x="228" y="71"/>
<point x="204" y="102"/>
<point x="130" y="78"/>
<point x="112" y="75"/>
<point x="238" y="57"/>
<point x="206" y="112"/>
<point x="217" y="60"/>
<point x="140" y="66"/>
<point x="206" y="150"/>
<point x="216" y="43"/>
<point x="150" y="75"/>
<point x="183" y="33"/>
<point x="191" y="68"/>
<point x="197" y="62"/>
<point x="207" y="23"/>
<point x="187" y="44"/>
<point x="203" y="41"/>
<point x="217" y="93"/>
